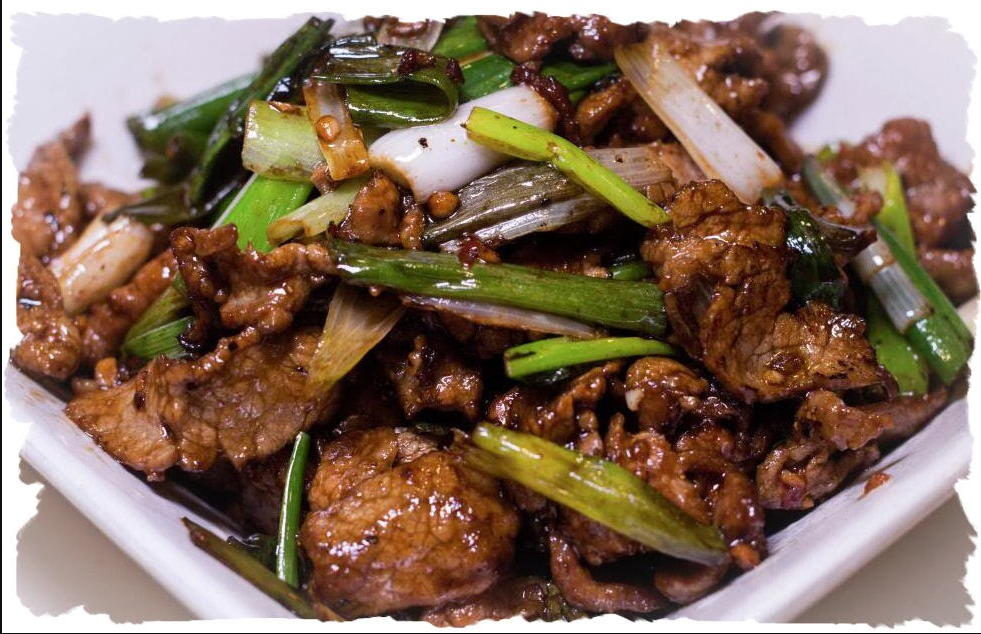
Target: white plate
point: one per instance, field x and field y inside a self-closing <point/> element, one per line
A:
<point x="808" y="558"/>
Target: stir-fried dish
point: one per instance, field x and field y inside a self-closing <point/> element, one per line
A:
<point x="533" y="315"/>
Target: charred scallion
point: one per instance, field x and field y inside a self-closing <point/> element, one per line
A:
<point x="814" y="274"/>
<point x="599" y="489"/>
<point x="510" y="136"/>
<point x="633" y="306"/>
<point x="206" y="181"/>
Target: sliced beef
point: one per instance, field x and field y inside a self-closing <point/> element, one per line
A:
<point x="683" y="581"/>
<point x="843" y="426"/>
<point x="938" y="195"/>
<point x="953" y="269"/>
<point x="662" y="391"/>
<point x="48" y="214"/>
<point x="559" y="417"/>
<point x="105" y="325"/>
<point x="907" y="414"/>
<point x="531" y="598"/>
<point x="722" y="266"/>
<point x="526" y="38"/>
<point x="583" y="591"/>
<point x="246" y="288"/>
<point x="400" y="534"/>
<point x="375" y="216"/>
<point x="432" y="375"/>
<point x="800" y="471"/>
<point x="52" y="345"/>
<point x="245" y="400"/>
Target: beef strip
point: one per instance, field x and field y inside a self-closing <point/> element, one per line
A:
<point x="432" y="375"/>
<point x="843" y="426"/>
<point x="683" y="581"/>
<point x="953" y="269"/>
<point x="375" y="215"/>
<point x="722" y="266"/>
<point x="248" y="288"/>
<point x="245" y="400"/>
<point x="582" y="591"/>
<point x="938" y="195"/>
<point x="52" y="345"/>
<point x="661" y="391"/>
<point x="417" y="533"/>
<point x="48" y="214"/>
<point x="106" y="323"/>
<point x="526" y="38"/>
<point x="531" y="598"/>
<point x="800" y="471"/>
<point x="907" y="414"/>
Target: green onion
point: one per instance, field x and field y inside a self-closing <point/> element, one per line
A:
<point x="172" y="138"/>
<point x="485" y="75"/>
<point x="531" y="189"/>
<point x="162" y="341"/>
<point x="634" y="306"/>
<point x="599" y="489"/>
<point x="894" y="215"/>
<point x="814" y="275"/>
<point x="546" y="355"/>
<point x="205" y="184"/>
<point x="461" y="39"/>
<point x="315" y="217"/>
<point x="519" y="139"/>
<point x="378" y="94"/>
<point x="252" y="570"/>
<point x="894" y="352"/>
<point x="287" y="562"/>
<point x="423" y="38"/>
<point x="826" y="188"/>
<point x="630" y="271"/>
<point x="575" y="76"/>
<point x="166" y="309"/>
<point x="942" y="338"/>
<point x="279" y="142"/>
<point x="913" y="301"/>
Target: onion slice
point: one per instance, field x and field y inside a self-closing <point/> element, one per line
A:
<point x="720" y="147"/>
<point x="356" y="322"/>
<point x="506" y="316"/>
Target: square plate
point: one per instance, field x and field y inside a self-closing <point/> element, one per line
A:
<point x="808" y="558"/>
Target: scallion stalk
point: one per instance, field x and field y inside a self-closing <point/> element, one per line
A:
<point x="488" y="203"/>
<point x="547" y="355"/>
<point x="287" y="559"/>
<point x="510" y="136"/>
<point x="206" y="181"/>
<point x="599" y="489"/>
<point x="341" y="142"/>
<point x="461" y="39"/>
<point x="633" y="306"/>
<point x="279" y="142"/>
<point x="894" y="352"/>
<point x="162" y="341"/>
<point x="252" y="570"/>
<point x="313" y="218"/>
<point x="894" y="215"/>
<point x="633" y="271"/>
